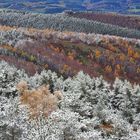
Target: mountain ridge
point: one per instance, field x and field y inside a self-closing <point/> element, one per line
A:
<point x="58" y="6"/>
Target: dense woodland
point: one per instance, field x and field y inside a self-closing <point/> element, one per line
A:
<point x="69" y="52"/>
<point x="69" y="78"/>
<point x="129" y="21"/>
<point x="63" y="22"/>
<point x="90" y="109"/>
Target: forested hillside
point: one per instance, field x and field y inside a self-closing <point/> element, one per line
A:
<point x="127" y="21"/>
<point x="69" y="76"/>
<point x="89" y="108"/>
<point x="62" y="22"/>
<point x="58" y="6"/>
<point x="69" y="52"/>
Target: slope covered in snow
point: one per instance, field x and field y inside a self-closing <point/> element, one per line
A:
<point x="90" y="109"/>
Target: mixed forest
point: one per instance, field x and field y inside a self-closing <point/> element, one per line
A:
<point x="69" y="76"/>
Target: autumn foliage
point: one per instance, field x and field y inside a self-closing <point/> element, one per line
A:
<point x="39" y="100"/>
<point x="128" y="21"/>
<point x="67" y="53"/>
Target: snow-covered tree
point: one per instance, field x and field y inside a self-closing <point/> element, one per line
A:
<point x="91" y="108"/>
